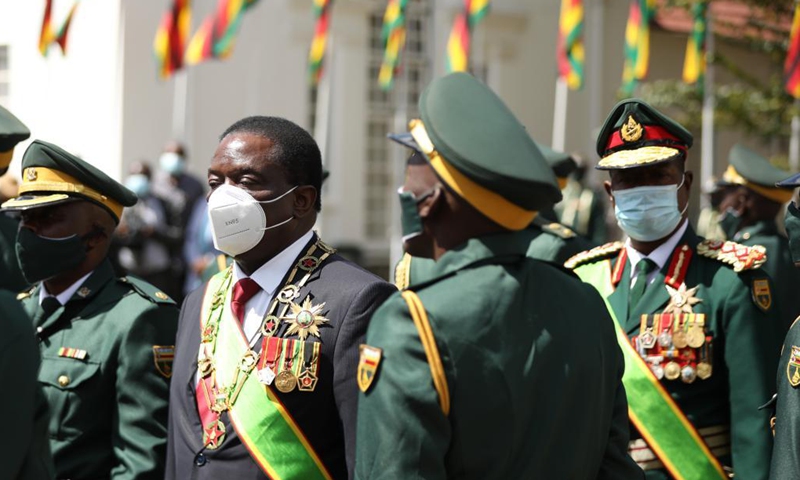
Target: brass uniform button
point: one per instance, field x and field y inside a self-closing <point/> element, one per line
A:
<point x="63" y="380"/>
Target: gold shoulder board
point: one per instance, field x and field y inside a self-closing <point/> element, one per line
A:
<point x="596" y="253"/>
<point x="740" y="257"/>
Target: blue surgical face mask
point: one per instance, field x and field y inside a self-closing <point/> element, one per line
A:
<point x="171" y="163"/>
<point x="648" y="213"/>
<point x="138" y="184"/>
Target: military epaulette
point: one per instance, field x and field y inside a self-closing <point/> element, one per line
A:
<point x="594" y="254"/>
<point x="558" y="230"/>
<point x="26" y="293"/>
<point x="740" y="257"/>
<point x="147" y="290"/>
<point x="402" y="272"/>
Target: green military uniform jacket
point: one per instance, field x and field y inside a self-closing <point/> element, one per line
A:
<point x="106" y="362"/>
<point x="532" y="368"/>
<point x="550" y="241"/>
<point x="786" y="452"/>
<point x="24" y="449"/>
<point x="779" y="266"/>
<point x="744" y="327"/>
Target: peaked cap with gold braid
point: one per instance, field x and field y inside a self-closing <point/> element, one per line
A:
<point x="12" y="131"/>
<point x="51" y="175"/>
<point x="637" y="135"/>
<point x="479" y="149"/>
<point x="754" y="172"/>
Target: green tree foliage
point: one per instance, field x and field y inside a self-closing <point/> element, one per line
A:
<point x="757" y="106"/>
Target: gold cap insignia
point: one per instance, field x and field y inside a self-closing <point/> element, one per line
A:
<point x="31" y="175"/>
<point x="632" y="130"/>
<point x="368" y="361"/>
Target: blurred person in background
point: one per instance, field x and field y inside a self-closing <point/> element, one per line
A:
<point x="144" y="236"/>
<point x="180" y="191"/>
<point x="198" y="248"/>
<point x="583" y="208"/>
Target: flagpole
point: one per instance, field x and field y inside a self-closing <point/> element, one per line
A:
<point x="397" y="168"/>
<point x="179" y="100"/>
<point x="794" y="142"/>
<point x="594" y="70"/>
<point x="709" y="103"/>
<point x="560" y="115"/>
<point x="324" y="110"/>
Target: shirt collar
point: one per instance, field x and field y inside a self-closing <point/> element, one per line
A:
<point x="661" y="254"/>
<point x="64" y="296"/>
<point x="269" y="275"/>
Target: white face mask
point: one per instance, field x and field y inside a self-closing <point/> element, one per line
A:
<point x="648" y="213"/>
<point x="237" y="220"/>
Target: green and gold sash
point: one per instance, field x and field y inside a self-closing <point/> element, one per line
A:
<point x="265" y="427"/>
<point x="652" y="410"/>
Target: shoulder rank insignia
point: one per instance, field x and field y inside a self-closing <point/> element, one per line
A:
<point x="594" y="254"/>
<point x="793" y="368"/>
<point x="402" y="272"/>
<point x="163" y="356"/>
<point x="368" y="360"/>
<point x="740" y="257"/>
<point x="762" y="295"/>
<point x="558" y="230"/>
<point x="26" y="293"/>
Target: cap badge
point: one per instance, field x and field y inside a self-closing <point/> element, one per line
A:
<point x="31" y="174"/>
<point x="632" y="130"/>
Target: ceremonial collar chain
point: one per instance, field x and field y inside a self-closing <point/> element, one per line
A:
<point x="294" y="355"/>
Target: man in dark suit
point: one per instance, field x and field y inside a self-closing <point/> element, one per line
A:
<point x="264" y="382"/>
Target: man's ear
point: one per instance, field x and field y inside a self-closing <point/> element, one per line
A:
<point x="607" y="186"/>
<point x="430" y="205"/>
<point x="688" y="179"/>
<point x="305" y="196"/>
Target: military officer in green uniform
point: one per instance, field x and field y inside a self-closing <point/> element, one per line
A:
<point x="752" y="204"/>
<point x="106" y="343"/>
<point x="26" y="453"/>
<point x="786" y="427"/>
<point x="583" y="209"/>
<point x="12" y="131"/>
<point x="550" y="240"/>
<point x="498" y="365"/>
<point x="702" y="330"/>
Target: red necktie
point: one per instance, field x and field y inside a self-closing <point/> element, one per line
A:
<point x="243" y="291"/>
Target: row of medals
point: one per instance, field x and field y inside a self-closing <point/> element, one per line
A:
<point x="671" y="343"/>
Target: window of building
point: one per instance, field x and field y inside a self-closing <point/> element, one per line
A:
<point x="382" y="107"/>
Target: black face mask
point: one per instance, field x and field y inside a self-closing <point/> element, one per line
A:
<point x="41" y="258"/>
<point x="729" y="223"/>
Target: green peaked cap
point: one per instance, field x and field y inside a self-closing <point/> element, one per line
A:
<point x="755" y="168"/>
<point x="12" y="130"/>
<point x="561" y="163"/>
<point x="51" y="175"/>
<point x="637" y="135"/>
<point x="471" y="127"/>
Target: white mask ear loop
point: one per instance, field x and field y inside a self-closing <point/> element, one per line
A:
<point x="275" y="200"/>
<point x="287" y="192"/>
<point x="683" y="180"/>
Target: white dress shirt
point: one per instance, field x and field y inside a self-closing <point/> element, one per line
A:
<point x="659" y="256"/>
<point x="268" y="277"/>
<point x="64" y="296"/>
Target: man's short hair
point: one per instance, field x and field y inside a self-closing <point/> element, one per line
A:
<point x="295" y="150"/>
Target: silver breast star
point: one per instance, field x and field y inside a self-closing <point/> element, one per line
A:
<point x="681" y="299"/>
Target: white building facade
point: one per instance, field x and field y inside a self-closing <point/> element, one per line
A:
<point x="104" y="102"/>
